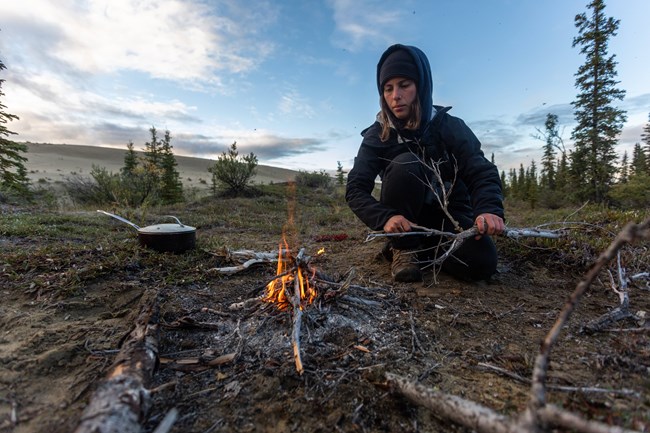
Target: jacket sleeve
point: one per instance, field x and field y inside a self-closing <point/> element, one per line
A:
<point x="479" y="175"/>
<point x="368" y="164"/>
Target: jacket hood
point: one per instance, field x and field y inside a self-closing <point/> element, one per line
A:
<point x="425" y="81"/>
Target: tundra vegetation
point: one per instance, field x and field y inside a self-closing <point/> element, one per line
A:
<point x="78" y="290"/>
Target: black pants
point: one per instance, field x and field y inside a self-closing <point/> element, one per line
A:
<point x="404" y="188"/>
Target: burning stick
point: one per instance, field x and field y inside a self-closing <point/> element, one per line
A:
<point x="295" y="300"/>
<point x="297" y="320"/>
<point x="290" y="275"/>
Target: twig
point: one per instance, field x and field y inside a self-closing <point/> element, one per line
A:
<point x="415" y="341"/>
<point x="538" y="415"/>
<point x="584" y="389"/>
<point x="537" y="401"/>
<point x="168" y="421"/>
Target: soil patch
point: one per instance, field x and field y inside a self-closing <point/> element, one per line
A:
<point x="442" y="332"/>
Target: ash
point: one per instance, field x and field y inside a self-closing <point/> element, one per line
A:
<point x="348" y="340"/>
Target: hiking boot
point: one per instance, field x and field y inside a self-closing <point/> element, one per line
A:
<point x="404" y="266"/>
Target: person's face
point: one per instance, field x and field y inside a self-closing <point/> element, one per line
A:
<point x="399" y="94"/>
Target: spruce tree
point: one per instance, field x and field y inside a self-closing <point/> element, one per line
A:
<point x="13" y="174"/>
<point x="639" y="163"/>
<point x="552" y="142"/>
<point x="598" y="122"/>
<point x="340" y="174"/>
<point x="645" y="137"/>
<point x="531" y="184"/>
<point x="130" y="160"/>
<point x="562" y="178"/>
<point x="232" y="171"/>
<point x="624" y="171"/>
<point x="521" y="183"/>
<point x="171" y="185"/>
<point x="151" y="166"/>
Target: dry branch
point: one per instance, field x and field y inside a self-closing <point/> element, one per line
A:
<point x="450" y="407"/>
<point x="513" y="233"/>
<point x="484" y="420"/>
<point x="630" y="233"/>
<point x="244" y="259"/>
<point x="122" y="400"/>
<point x="538" y="414"/>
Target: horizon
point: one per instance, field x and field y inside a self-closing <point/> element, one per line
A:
<point x="294" y="83"/>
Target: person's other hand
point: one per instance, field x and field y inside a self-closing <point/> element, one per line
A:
<point x="397" y="224"/>
<point x="489" y="224"/>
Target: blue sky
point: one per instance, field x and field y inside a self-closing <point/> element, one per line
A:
<point x="294" y="81"/>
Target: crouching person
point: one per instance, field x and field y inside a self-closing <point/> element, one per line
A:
<point x="408" y="138"/>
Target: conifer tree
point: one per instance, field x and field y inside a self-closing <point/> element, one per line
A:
<point x="340" y="174"/>
<point x="639" y="163"/>
<point x="130" y="160"/>
<point x="552" y="143"/>
<point x="562" y="178"/>
<point x="152" y="156"/>
<point x="151" y="166"/>
<point x="531" y="184"/>
<point x="13" y="174"/>
<point x="521" y="183"/>
<point x="504" y="184"/>
<point x="645" y="137"/>
<point x="232" y="171"/>
<point x="598" y="122"/>
<point x="624" y="171"/>
<point x="171" y="185"/>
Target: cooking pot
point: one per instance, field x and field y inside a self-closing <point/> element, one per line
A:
<point x="174" y="238"/>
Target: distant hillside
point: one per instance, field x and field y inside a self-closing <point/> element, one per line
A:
<point x="56" y="162"/>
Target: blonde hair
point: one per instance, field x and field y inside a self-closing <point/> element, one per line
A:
<point x="385" y="115"/>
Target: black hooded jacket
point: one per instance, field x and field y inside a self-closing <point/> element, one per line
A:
<point x="443" y="139"/>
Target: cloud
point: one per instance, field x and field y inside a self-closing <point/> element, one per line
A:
<point x="66" y="61"/>
<point x="174" y="40"/>
<point x="265" y="145"/>
<point x="537" y="116"/>
<point x="496" y="135"/>
<point x="639" y="103"/>
<point x="361" y="22"/>
<point x="293" y="103"/>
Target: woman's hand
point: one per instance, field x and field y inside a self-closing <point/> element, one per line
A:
<point x="397" y="224"/>
<point x="489" y="224"/>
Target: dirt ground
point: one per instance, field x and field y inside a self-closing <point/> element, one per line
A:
<point x="443" y="333"/>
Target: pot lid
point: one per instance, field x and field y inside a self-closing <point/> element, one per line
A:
<point x="166" y="229"/>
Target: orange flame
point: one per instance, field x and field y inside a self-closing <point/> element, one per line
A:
<point x="280" y="289"/>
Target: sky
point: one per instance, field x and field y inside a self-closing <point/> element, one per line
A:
<point x="293" y="81"/>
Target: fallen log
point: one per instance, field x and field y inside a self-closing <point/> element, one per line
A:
<point x="121" y="401"/>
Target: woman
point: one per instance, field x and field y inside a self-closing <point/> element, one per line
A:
<point x="408" y="138"/>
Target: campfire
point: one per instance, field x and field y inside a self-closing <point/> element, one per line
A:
<point x="291" y="287"/>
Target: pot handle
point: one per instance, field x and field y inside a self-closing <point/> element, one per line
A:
<point x="177" y="220"/>
<point x="124" y="220"/>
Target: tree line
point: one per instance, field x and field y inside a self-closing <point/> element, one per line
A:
<point x="590" y="171"/>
